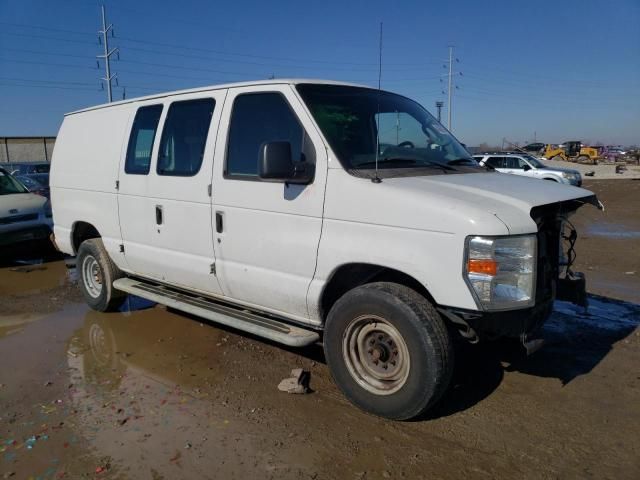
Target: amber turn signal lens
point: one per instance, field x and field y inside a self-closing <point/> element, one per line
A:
<point x="483" y="267"/>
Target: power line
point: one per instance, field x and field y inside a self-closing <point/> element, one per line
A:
<point x="317" y="65"/>
<point x="11" y="79"/>
<point x="37" y="52"/>
<point x="182" y="67"/>
<point x="50" y="64"/>
<point x="44" y="37"/>
<point x="60" y="87"/>
<point x="51" y="29"/>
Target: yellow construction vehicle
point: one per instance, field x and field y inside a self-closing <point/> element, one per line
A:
<point x="572" y="152"/>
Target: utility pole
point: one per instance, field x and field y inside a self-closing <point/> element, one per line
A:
<point x="439" y="105"/>
<point x="107" y="53"/>
<point x="450" y="93"/>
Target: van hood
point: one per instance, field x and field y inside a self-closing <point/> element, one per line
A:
<point x="20" y="204"/>
<point x="509" y="197"/>
<point x="483" y="203"/>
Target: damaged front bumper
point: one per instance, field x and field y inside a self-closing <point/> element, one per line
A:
<point x="554" y="281"/>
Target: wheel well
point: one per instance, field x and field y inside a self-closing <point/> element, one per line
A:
<point x="552" y="179"/>
<point x="82" y="231"/>
<point x="352" y="275"/>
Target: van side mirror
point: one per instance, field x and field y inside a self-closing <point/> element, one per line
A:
<point x="526" y="168"/>
<point x="275" y="164"/>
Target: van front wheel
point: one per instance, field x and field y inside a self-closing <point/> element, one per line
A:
<point x="388" y="350"/>
<point x="97" y="274"/>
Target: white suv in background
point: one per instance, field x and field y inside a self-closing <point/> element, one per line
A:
<point x="528" y="166"/>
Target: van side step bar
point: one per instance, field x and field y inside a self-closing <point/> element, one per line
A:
<point x="202" y="307"/>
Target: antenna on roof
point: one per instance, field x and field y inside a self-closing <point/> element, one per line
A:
<point x="376" y="178"/>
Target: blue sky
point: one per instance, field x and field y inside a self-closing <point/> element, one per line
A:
<point x="563" y="69"/>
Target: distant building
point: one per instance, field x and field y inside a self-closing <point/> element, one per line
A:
<point x="26" y="149"/>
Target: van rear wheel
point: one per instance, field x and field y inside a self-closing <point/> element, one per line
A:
<point x="97" y="274"/>
<point x="388" y="350"/>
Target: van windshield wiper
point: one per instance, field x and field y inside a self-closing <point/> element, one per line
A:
<point x="461" y="161"/>
<point x="406" y="161"/>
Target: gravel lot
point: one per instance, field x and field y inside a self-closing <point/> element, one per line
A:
<point x="602" y="171"/>
<point x="153" y="394"/>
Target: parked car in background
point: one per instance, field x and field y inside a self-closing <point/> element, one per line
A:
<point x="616" y="150"/>
<point x="24" y="215"/>
<point x="37" y="183"/>
<point x="528" y="166"/>
<point x="535" y="148"/>
<point x="24" y="168"/>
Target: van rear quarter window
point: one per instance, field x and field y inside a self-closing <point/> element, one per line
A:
<point x="184" y="137"/>
<point x="141" y="140"/>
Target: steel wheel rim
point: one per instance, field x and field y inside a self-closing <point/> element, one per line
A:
<point x="376" y="354"/>
<point x="92" y="276"/>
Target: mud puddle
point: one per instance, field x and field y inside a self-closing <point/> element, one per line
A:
<point x="148" y="393"/>
<point x="33" y="277"/>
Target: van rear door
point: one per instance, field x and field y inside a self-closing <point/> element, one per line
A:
<point x="179" y="201"/>
<point x="133" y="187"/>
<point x="164" y="178"/>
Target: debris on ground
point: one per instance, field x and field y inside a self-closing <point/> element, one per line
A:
<point x="591" y="173"/>
<point x="28" y="269"/>
<point x="297" y="383"/>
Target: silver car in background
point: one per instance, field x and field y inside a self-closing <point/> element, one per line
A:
<point x="528" y="166"/>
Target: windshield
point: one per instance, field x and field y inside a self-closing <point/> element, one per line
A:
<point x="356" y="121"/>
<point x="9" y="185"/>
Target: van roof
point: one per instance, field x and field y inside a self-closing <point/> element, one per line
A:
<point x="276" y="81"/>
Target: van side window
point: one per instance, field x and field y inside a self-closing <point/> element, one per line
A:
<point x="184" y="137"/>
<point x="141" y="140"/>
<point x="258" y="118"/>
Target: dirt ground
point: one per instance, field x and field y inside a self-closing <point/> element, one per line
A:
<point x="153" y="394"/>
<point x="608" y="246"/>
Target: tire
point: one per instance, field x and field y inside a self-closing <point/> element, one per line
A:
<point x="97" y="273"/>
<point x="583" y="159"/>
<point x="401" y="326"/>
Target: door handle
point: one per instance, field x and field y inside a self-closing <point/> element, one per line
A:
<point x="219" y="225"/>
<point x="159" y="218"/>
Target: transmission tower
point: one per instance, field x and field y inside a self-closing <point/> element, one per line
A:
<point x="451" y="86"/>
<point x="106" y="56"/>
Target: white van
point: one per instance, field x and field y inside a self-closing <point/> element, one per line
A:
<point x="310" y="211"/>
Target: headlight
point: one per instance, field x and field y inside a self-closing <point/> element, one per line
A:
<point x="501" y="271"/>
